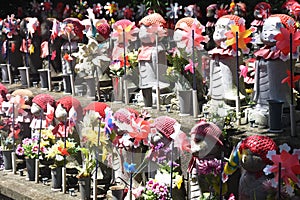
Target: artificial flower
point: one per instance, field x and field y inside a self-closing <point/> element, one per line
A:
<point x="67" y="57"/>
<point x="243" y="37"/>
<point x="190" y="67"/>
<point x="288" y="79"/>
<point x="244" y="71"/>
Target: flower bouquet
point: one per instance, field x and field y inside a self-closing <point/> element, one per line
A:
<point x="59" y="151"/>
<point x="30" y="148"/>
<point x="155" y="190"/>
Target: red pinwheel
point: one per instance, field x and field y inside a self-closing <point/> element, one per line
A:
<point x="288" y="79"/>
<point x="140" y="130"/>
<point x="198" y="37"/>
<point x="290" y="166"/>
<point x="67" y="57"/>
<point x="283" y="40"/>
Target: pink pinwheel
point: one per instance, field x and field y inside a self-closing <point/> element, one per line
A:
<point x="198" y="37"/>
<point x="288" y="79"/>
<point x="243" y="37"/>
<point x="189" y="67"/>
<point x="283" y="40"/>
<point x="156" y="29"/>
<point x="49" y="114"/>
<point x="290" y="167"/>
<point x="55" y="30"/>
<point x="140" y="130"/>
<point x="129" y="28"/>
<point x="244" y="71"/>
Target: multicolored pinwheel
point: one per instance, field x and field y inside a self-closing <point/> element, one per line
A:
<point x="243" y="37"/>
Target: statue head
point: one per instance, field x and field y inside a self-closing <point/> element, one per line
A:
<point x="272" y="27"/>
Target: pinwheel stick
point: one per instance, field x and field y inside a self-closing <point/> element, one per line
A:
<point x="157" y="75"/>
<point x="221" y="181"/>
<point x="26" y="43"/>
<point x="279" y="181"/>
<point x="97" y="152"/>
<point x="49" y="66"/>
<point x="292" y="109"/>
<point x="131" y="175"/>
<point x="195" y="99"/>
<point x="37" y="172"/>
<point x="13" y="153"/>
<point x="171" y="168"/>
<point x="125" y="81"/>
<point x="237" y="103"/>
<point x="64" y="184"/>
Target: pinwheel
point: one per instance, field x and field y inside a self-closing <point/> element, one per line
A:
<point x="192" y="11"/>
<point x="141" y="10"/>
<point x="111" y="8"/>
<point x="188" y="39"/>
<point x="283" y="41"/>
<point x="35" y="6"/>
<point x="140" y="130"/>
<point x="174" y="11"/>
<point x="128" y="27"/>
<point x="289" y="168"/>
<point x="242" y="35"/>
<point x="288" y="79"/>
<point x="49" y="114"/>
<point x="97" y="9"/>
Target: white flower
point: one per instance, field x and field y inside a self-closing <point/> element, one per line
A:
<point x="59" y="157"/>
<point x="163" y="178"/>
<point x="274" y="184"/>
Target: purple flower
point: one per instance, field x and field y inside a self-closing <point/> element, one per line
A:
<point x="35" y="149"/>
<point x="209" y="166"/>
<point x="20" y="150"/>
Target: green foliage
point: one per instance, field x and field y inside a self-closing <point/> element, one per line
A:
<point x="89" y="163"/>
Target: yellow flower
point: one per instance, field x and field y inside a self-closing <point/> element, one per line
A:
<point x="31" y="49"/>
<point x="44" y="143"/>
<point x="178" y="181"/>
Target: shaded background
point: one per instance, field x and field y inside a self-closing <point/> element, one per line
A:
<point x="11" y="6"/>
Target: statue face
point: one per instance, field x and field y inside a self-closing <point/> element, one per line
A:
<point x="221" y="27"/>
<point x="157" y="138"/>
<point x="35" y="109"/>
<point x="251" y="162"/>
<point x="204" y="147"/>
<point x="270" y="29"/>
<point x="144" y="35"/>
<point x="60" y="113"/>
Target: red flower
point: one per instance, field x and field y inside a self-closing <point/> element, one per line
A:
<point x="63" y="151"/>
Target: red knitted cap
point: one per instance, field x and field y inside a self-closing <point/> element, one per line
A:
<point x="123" y="115"/>
<point x="123" y="23"/>
<point x="259" y="145"/>
<point x="234" y="18"/>
<point x="103" y="29"/>
<point x="42" y="100"/>
<point x="67" y="102"/>
<point x="78" y="27"/>
<point x="208" y="129"/>
<point x="188" y="20"/>
<point x="98" y="107"/>
<point x="287" y="21"/>
<point x="153" y="18"/>
<point x="165" y="125"/>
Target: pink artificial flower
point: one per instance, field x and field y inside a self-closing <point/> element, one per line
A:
<point x="244" y="71"/>
<point x="53" y="55"/>
<point x="189" y="67"/>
